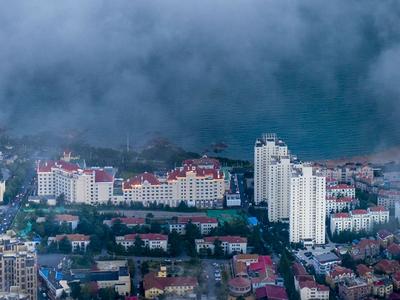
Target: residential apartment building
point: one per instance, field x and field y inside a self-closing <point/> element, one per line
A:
<point x="359" y="219"/>
<point x="335" y="205"/>
<point x="205" y="224"/>
<point x="151" y="241"/>
<point x="229" y="244"/>
<point x="354" y="289"/>
<point x="307" y="206"/>
<point x="79" y="185"/>
<point x="18" y="268"/>
<point x="265" y="148"/>
<point x="388" y="198"/>
<point x="341" y="190"/>
<point x="278" y="188"/>
<point x="196" y="186"/>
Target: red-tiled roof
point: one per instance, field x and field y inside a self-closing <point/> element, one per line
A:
<point x="239" y="282"/>
<point x="76" y="237"/>
<point x="197" y="219"/>
<point x="103" y="176"/>
<point x="341" y="215"/>
<point x="359" y="212"/>
<point x="226" y="239"/>
<point x="362" y="270"/>
<point x="339" y="187"/>
<point x="273" y="292"/>
<point x="396" y="276"/>
<point x="140" y="179"/>
<point x="378" y="208"/>
<point x="367" y="243"/>
<point x="146" y="236"/>
<point x="394" y="249"/>
<point x="150" y="280"/>
<point x="389" y="193"/>
<point x="129" y="221"/>
<point x="339" y="271"/>
<point x="66" y="218"/>
<point x="298" y="269"/>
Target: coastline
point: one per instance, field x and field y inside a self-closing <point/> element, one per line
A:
<point x="391" y="154"/>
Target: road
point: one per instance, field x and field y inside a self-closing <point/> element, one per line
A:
<point x="11" y="210"/>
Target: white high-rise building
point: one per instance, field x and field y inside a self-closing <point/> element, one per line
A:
<point x="307" y="206"/>
<point x="265" y="148"/>
<point x="278" y="189"/>
<point x="2" y="190"/>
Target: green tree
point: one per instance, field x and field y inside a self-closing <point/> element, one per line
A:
<point x="138" y="246"/>
<point x="175" y="242"/>
<point x="64" y="245"/>
<point x="218" y="250"/>
<point x="75" y="289"/>
<point x="108" y="294"/>
<point x="95" y="244"/>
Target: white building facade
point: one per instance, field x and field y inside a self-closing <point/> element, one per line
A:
<point x="196" y="186"/>
<point x="307" y="207"/>
<point x="265" y="148"/>
<point x="278" y="189"/>
<point x="359" y="219"/>
<point x="89" y="186"/>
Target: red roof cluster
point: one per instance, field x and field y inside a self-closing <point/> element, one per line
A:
<point x="394" y="249"/>
<point x="359" y="212"/>
<point x="225" y="239"/>
<point x="140" y="179"/>
<point x="150" y="280"/>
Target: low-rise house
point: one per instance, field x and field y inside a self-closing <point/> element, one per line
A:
<point x="386" y="266"/>
<point x="396" y="280"/>
<point x="152" y="241"/>
<point x="70" y="220"/>
<point x="229" y="244"/>
<point x="365" y="249"/>
<point x="382" y="288"/>
<point x="385" y="237"/>
<point x="306" y="285"/>
<point x="338" y="274"/>
<point x="271" y="292"/>
<point x="393" y="251"/>
<point x="354" y="289"/>
<point x="364" y="272"/>
<point x="79" y="242"/>
<point x="323" y="263"/>
<point x="205" y="224"/>
<point x="130" y="222"/>
<point x="155" y="286"/>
